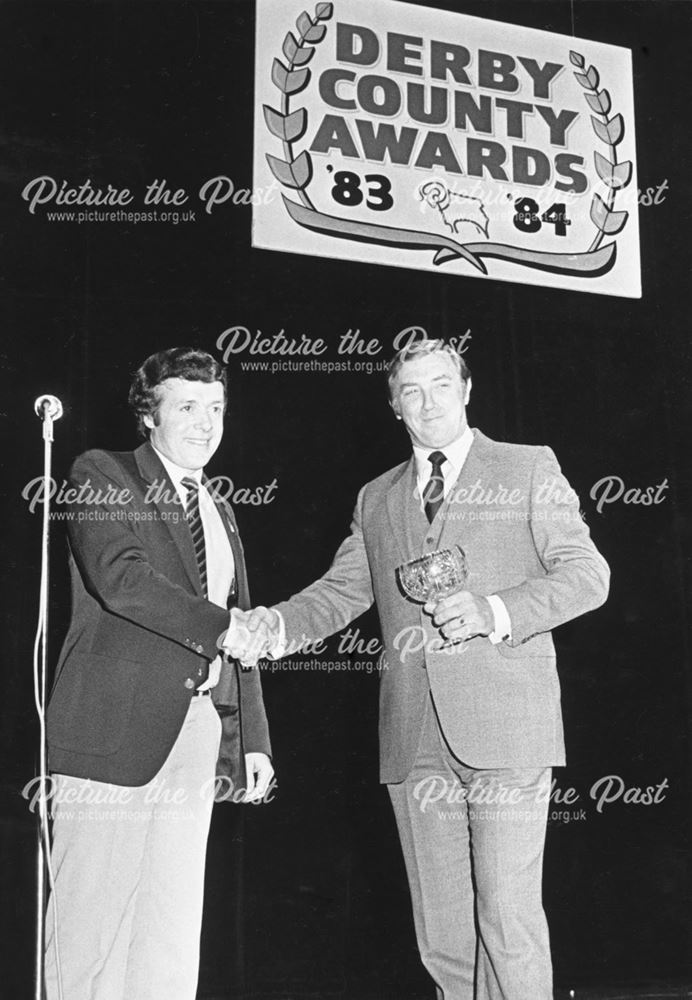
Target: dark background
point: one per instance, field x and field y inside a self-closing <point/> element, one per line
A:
<point x="307" y="895"/>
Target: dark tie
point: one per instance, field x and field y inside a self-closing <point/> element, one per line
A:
<point x="434" y="492"/>
<point x="194" y="520"/>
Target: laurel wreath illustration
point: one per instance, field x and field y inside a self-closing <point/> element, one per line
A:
<point x="611" y="131"/>
<point x="295" y="172"/>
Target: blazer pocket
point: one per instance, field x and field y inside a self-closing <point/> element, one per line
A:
<point x="91" y="704"/>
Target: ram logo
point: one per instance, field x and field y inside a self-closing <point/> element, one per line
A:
<point x="455" y="209"/>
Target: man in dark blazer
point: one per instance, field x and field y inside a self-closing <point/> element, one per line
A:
<point x="470" y="721"/>
<point x="143" y="706"/>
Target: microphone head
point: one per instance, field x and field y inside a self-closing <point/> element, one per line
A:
<point x="48" y="407"/>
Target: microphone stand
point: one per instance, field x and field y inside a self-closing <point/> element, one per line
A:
<point x="49" y="409"/>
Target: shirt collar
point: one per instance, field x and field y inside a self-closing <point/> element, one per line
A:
<point x="177" y="473"/>
<point x="455" y="453"/>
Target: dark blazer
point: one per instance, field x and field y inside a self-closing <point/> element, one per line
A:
<point x="517" y="520"/>
<point x="140" y="628"/>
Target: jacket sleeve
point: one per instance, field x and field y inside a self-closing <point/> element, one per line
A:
<point x="115" y="566"/>
<point x="342" y="594"/>
<point x="576" y="576"/>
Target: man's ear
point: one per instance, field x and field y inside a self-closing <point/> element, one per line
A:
<point x="396" y="412"/>
<point x="468" y="391"/>
<point x="148" y="420"/>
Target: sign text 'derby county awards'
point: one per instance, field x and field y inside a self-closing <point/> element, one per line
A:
<point x="414" y="137"/>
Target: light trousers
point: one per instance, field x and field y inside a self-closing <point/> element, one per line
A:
<point x="473" y="846"/>
<point x="128" y="865"/>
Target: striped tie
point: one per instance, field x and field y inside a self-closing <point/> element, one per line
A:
<point x="194" y="520"/>
<point x="434" y="492"/>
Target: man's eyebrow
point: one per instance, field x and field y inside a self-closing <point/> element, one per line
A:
<point x="435" y="379"/>
<point x="214" y="402"/>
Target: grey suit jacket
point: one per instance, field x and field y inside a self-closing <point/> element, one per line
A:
<point x="518" y="522"/>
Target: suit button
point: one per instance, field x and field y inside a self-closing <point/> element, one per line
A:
<point x="429" y="541"/>
<point x="189" y="684"/>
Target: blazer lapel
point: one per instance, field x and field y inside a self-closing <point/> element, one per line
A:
<point x="163" y="494"/>
<point x="226" y="693"/>
<point x="242" y="592"/>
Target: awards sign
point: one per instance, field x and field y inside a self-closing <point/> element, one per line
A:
<point x="403" y="135"/>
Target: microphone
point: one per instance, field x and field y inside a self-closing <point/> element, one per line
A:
<point x="48" y="407"/>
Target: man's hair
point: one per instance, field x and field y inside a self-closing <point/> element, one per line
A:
<point x="421" y="349"/>
<point x="189" y="363"/>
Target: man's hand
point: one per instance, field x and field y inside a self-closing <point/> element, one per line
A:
<point x="462" y="616"/>
<point x="264" y="621"/>
<point x="251" y="635"/>
<point x="259" y="773"/>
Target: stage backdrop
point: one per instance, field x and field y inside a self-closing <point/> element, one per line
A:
<point x="121" y="120"/>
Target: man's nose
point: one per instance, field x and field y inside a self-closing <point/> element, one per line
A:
<point x="428" y="400"/>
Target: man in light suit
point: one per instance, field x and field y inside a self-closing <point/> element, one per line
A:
<point x="475" y="724"/>
<point x="143" y="705"/>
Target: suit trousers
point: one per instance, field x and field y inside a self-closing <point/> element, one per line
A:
<point x="128" y="866"/>
<point x="473" y="842"/>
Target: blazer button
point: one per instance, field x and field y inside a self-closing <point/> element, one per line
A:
<point x="429" y="541"/>
<point x="189" y="683"/>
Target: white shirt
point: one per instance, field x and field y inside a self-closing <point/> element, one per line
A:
<point x="219" y="554"/>
<point x="456" y="454"/>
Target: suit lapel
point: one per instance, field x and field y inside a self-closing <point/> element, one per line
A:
<point x="475" y="468"/>
<point x="163" y="494"/>
<point x="401" y="509"/>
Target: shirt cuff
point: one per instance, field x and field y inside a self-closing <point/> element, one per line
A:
<point x="502" y="625"/>
<point x="226" y="634"/>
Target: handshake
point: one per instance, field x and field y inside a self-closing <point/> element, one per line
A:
<point x="253" y="635"/>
